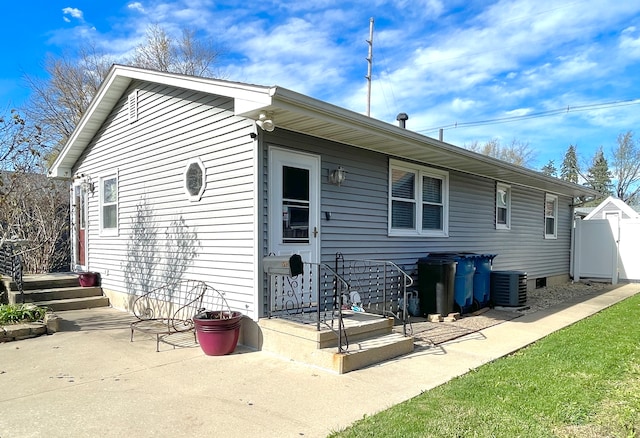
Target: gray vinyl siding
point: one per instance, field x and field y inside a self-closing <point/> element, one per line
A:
<point x="612" y="208"/>
<point x="359" y="212"/>
<point x="150" y="157"/>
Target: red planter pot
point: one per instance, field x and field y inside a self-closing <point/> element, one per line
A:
<point x="218" y="331"/>
<point x="89" y="279"/>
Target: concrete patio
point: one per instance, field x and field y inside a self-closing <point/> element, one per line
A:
<point x="90" y="380"/>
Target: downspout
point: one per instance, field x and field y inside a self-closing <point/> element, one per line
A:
<point x="572" y="255"/>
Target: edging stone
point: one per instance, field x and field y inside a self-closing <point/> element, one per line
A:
<point x="17" y="332"/>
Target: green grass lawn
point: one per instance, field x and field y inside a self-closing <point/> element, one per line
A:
<point x="582" y="381"/>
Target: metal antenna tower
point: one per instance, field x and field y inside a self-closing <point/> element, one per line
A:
<point x="370" y="64"/>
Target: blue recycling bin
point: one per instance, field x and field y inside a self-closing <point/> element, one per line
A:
<point x="463" y="279"/>
<point x="482" y="278"/>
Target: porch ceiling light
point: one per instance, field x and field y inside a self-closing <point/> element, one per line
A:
<point x="337" y="176"/>
<point x="265" y="121"/>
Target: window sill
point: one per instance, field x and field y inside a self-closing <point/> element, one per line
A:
<point x="396" y="233"/>
<point x="109" y="233"/>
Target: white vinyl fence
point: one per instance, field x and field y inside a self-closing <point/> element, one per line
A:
<point x="607" y="249"/>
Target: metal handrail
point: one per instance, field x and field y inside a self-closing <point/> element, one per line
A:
<point x="11" y="265"/>
<point x="407" y="281"/>
<point x="316" y="278"/>
<point x="358" y="269"/>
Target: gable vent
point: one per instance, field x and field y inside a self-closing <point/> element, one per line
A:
<point x="132" y="104"/>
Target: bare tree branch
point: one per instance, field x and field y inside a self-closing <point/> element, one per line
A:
<point x="626" y="168"/>
<point x="58" y="102"/>
<point x="186" y="55"/>
<point x="517" y="152"/>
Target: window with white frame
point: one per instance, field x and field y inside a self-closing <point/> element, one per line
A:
<point x="418" y="200"/>
<point x="503" y="206"/>
<point x="109" y="205"/>
<point x="550" y="216"/>
<point x="194" y="179"/>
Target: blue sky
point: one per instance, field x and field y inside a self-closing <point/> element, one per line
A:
<point x="572" y="68"/>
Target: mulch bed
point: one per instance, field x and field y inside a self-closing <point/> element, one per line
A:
<point x="434" y="333"/>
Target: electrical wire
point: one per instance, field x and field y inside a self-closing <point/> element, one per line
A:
<point x="547" y="113"/>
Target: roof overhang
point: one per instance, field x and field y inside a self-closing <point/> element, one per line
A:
<point x="300" y="113"/>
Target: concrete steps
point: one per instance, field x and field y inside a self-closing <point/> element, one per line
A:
<point x="369" y="337"/>
<point x="57" y="292"/>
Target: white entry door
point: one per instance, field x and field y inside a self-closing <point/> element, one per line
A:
<point x="78" y="230"/>
<point x="294" y="218"/>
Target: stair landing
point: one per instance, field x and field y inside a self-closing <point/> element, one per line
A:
<point x="368" y="339"/>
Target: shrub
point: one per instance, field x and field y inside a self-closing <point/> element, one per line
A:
<point x="16" y="313"/>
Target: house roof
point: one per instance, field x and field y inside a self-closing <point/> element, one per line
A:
<point x="617" y="204"/>
<point x="300" y="113"/>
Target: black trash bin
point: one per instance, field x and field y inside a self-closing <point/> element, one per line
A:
<point x="436" y="278"/>
<point x="464" y="271"/>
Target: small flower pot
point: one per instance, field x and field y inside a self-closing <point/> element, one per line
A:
<point x="218" y="331"/>
<point x="89" y="279"/>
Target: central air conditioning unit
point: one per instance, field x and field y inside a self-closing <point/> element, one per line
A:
<point x="509" y="288"/>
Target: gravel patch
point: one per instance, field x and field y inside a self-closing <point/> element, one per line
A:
<point x="548" y="296"/>
<point x="427" y="334"/>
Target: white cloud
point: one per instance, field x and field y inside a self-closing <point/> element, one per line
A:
<point x="630" y="42"/>
<point x="136" y="6"/>
<point x="441" y="62"/>
<point x="519" y="112"/>
<point x="461" y="105"/>
<point x="295" y="54"/>
<point x="73" y="12"/>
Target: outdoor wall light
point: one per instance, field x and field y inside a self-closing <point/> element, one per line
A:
<point x="337" y="176"/>
<point x="265" y="121"/>
<point x="87" y="185"/>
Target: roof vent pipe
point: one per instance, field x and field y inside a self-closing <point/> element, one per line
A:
<point x="402" y="120"/>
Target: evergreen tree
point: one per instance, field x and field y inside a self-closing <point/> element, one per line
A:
<point x="549" y="169"/>
<point x="599" y="176"/>
<point x="569" y="171"/>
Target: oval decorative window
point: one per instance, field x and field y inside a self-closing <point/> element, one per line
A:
<point x="194" y="181"/>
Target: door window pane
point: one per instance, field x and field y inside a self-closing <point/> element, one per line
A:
<point x="295" y="183"/>
<point x="295" y="205"/>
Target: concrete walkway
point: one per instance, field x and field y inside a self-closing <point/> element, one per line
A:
<point x="88" y="380"/>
